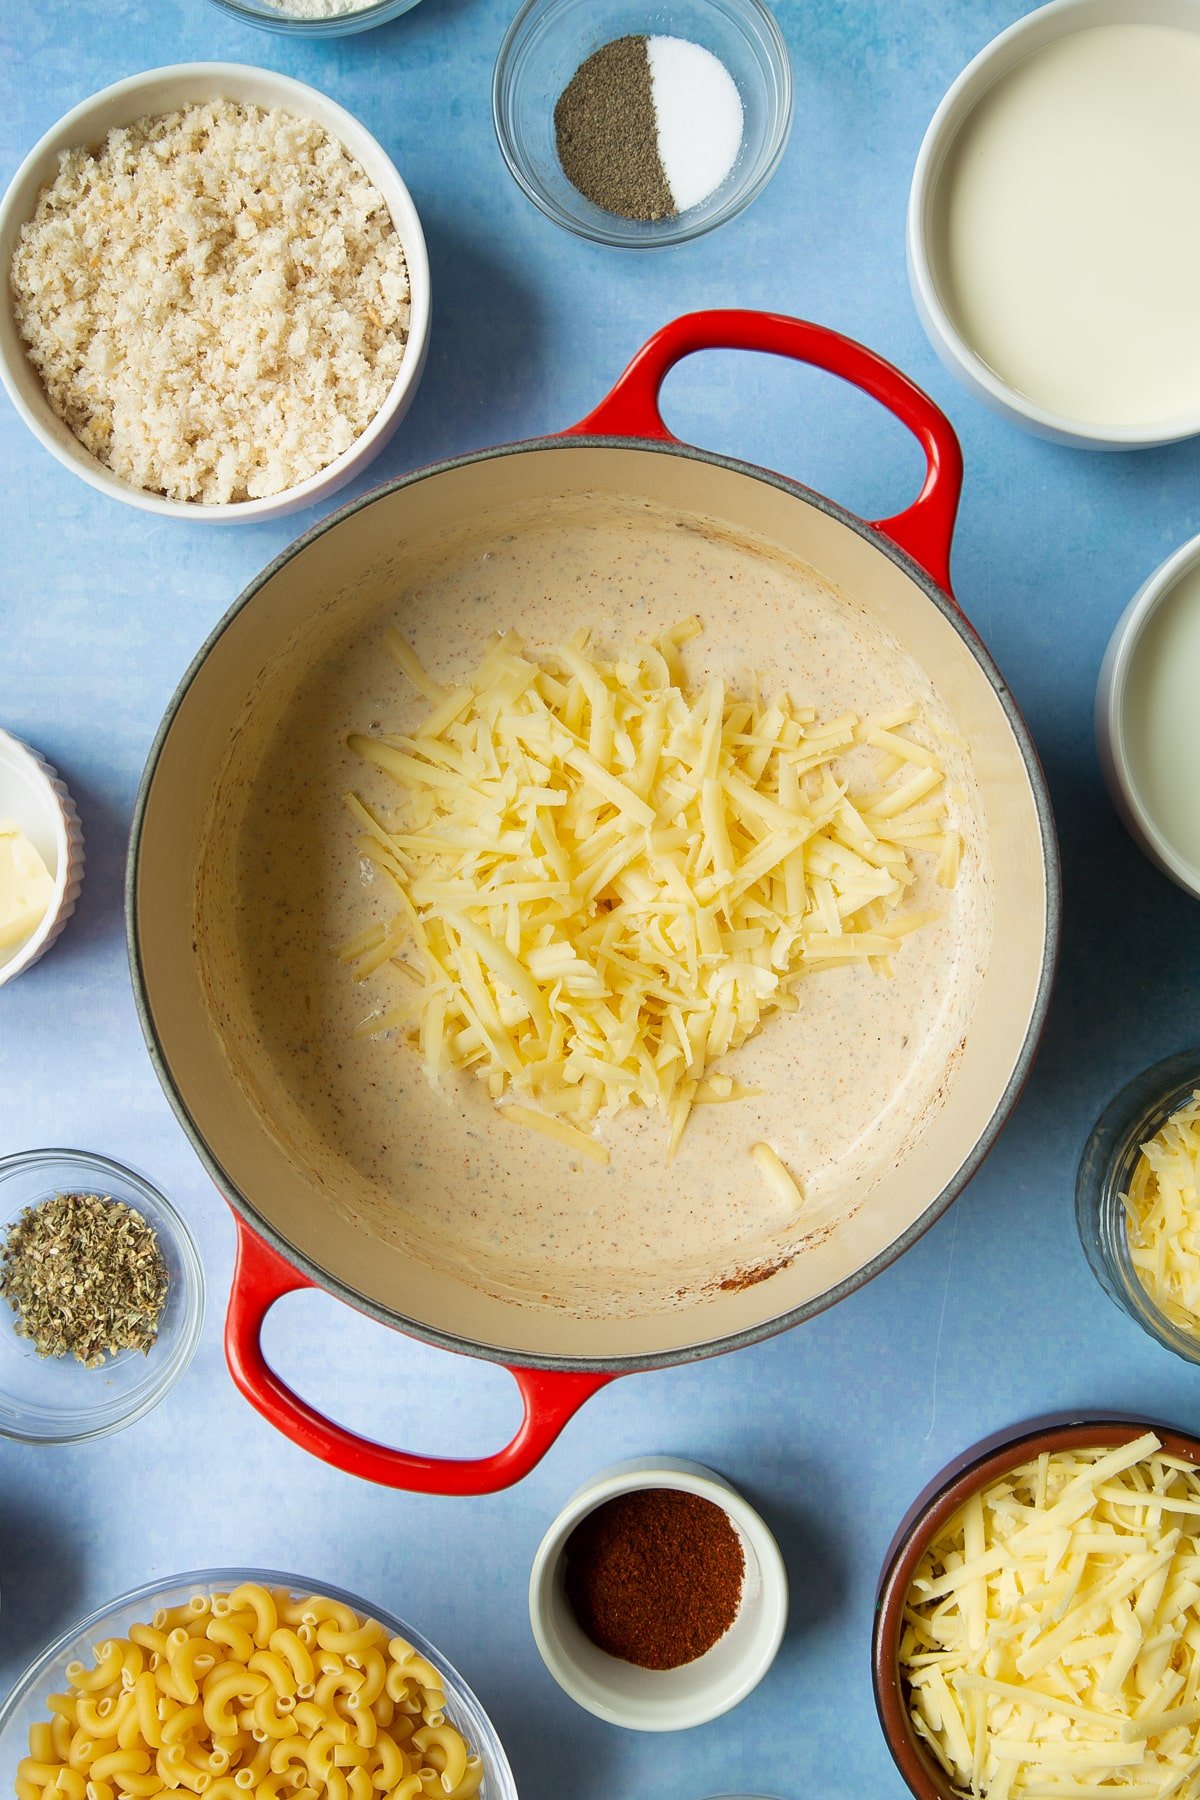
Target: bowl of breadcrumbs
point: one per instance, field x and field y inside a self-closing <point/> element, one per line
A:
<point x="217" y="297"/>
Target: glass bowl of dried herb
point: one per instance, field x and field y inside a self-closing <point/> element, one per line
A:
<point x="101" y="1296"/>
<point x="639" y="125"/>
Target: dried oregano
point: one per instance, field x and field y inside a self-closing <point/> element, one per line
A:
<point x="85" y="1277"/>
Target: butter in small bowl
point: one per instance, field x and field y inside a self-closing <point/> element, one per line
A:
<point x="41" y="856"/>
<point x="26" y="886"/>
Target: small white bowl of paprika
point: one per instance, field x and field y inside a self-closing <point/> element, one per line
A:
<point x="658" y="1598"/>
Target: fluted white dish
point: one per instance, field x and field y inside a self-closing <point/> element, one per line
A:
<point x="35" y="798"/>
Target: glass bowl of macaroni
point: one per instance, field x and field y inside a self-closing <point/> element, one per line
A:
<point x="55" y="1399"/>
<point x="274" y="1620"/>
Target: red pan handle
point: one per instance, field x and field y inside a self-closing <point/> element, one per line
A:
<point x="923" y="530"/>
<point x="261" y="1276"/>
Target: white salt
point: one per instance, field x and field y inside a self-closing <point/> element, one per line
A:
<point x="699" y="115"/>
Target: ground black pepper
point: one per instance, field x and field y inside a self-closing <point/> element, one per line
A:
<point x="655" y="1576"/>
<point x="606" y="132"/>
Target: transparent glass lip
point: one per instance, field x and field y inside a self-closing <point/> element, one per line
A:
<point x="498" y="1782"/>
<point x="339" y="25"/>
<point x="184" y="1245"/>
<point x="1105" y="1168"/>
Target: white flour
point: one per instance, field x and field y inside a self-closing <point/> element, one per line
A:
<point x="318" y="9"/>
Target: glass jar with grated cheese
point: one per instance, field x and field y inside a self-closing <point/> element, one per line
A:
<point x="1140" y="1255"/>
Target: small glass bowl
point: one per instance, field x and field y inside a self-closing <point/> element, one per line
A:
<point x="546" y="43"/>
<point x="54" y="1399"/>
<point x="26" y="1704"/>
<point x="268" y="18"/>
<point x="1105" y="1171"/>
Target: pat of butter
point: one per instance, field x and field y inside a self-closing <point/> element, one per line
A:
<point x="26" y="886"/>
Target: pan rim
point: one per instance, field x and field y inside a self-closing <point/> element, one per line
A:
<point x="777" y="1323"/>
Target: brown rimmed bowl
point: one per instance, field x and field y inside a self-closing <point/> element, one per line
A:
<point x="929" y="1514"/>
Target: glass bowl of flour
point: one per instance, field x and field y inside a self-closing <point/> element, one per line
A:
<point x="315" y="18"/>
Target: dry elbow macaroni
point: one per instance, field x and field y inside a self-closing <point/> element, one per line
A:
<point x="251" y="1695"/>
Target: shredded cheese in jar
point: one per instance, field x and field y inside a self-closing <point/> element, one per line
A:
<point x="1162" y="1217"/>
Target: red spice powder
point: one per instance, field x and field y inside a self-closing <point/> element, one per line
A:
<point x="655" y="1576"/>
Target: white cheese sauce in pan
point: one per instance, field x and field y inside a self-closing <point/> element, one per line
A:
<point x="846" y="1080"/>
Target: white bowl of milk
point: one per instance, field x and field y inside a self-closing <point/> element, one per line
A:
<point x="1148" y="717"/>
<point x="1050" y="243"/>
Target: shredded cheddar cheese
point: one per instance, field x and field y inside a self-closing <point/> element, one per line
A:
<point x="604" y="884"/>
<point x="778" y="1176"/>
<point x="1162" y="1217"/>
<point x="1050" y="1635"/>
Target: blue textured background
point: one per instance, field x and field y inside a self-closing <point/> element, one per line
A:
<point x="994" y="1316"/>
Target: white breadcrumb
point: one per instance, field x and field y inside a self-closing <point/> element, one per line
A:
<point x="216" y="301"/>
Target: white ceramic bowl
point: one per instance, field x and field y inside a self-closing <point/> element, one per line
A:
<point x="660" y="1699"/>
<point x="1033" y="32"/>
<point x="1111" y="736"/>
<point x="36" y="800"/>
<point x="164" y="90"/>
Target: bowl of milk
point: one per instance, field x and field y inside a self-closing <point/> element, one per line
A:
<point x="1148" y="717"/>
<point x="1049" y="253"/>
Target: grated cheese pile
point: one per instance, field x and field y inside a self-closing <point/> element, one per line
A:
<point x="604" y="884"/>
<point x="1162" y="1217"/>
<point x="1051" y="1634"/>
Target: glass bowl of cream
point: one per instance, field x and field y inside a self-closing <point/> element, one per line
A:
<point x="678" y="115"/>
<point x="1049" y="253"/>
<point x="1148" y="720"/>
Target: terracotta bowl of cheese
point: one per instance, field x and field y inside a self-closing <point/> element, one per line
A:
<point x="933" y="1516"/>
